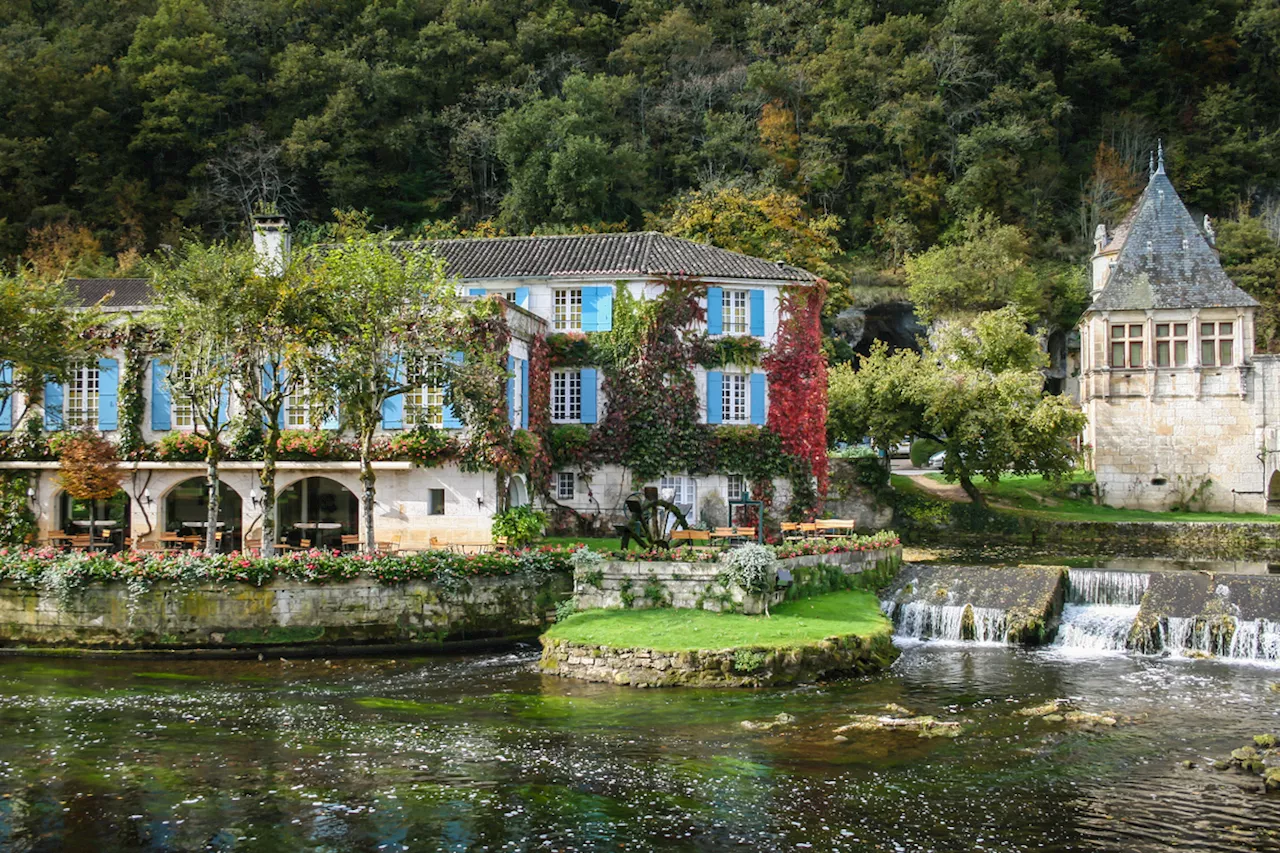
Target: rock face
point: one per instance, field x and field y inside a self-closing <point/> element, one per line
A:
<point x="1019" y="604"/>
<point x="747" y="667"/>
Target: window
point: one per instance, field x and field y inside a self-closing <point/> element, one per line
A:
<point x="737" y="488"/>
<point x="1171" y="344"/>
<point x="510" y="296"/>
<point x="736" y="314"/>
<point x="1215" y="344"/>
<point x="680" y="489"/>
<point x="297" y="407"/>
<point x="82" y="397"/>
<point x="734" y="399"/>
<point x="566" y="396"/>
<point x="567" y="315"/>
<point x="424" y="405"/>
<point x="1126" y="345"/>
<point x="435" y="501"/>
<point x="565" y="485"/>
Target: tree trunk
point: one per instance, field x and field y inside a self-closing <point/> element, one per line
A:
<point x="368" y="480"/>
<point x="215" y="489"/>
<point x="972" y="491"/>
<point x="270" y="450"/>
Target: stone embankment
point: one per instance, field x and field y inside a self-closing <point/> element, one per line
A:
<point x="278" y="614"/>
<point x="741" y="667"/>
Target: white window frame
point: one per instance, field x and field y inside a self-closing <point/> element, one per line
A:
<point x="431" y="494"/>
<point x="297" y="406"/>
<point x="566" y="485"/>
<point x="566" y="313"/>
<point x="424" y="403"/>
<point x="1220" y="337"/>
<point x="735" y="314"/>
<point x="566" y="396"/>
<point x="735" y="398"/>
<point x="685" y="489"/>
<point x="735" y="487"/>
<point x="80" y="396"/>
<point x="182" y="412"/>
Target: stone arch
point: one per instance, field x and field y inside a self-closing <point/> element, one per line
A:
<point x="184" y="510"/>
<point x="517" y="491"/>
<point x="112" y="517"/>
<point x="1273" y="492"/>
<point x="316" y="509"/>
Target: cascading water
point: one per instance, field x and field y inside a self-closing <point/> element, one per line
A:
<point x="920" y="620"/>
<point x="1100" y="611"/>
<point x="1226" y="637"/>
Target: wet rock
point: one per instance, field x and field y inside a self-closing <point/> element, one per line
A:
<point x="1243" y="754"/>
<point x="1051" y="707"/>
<point x="926" y="727"/>
<point x="1271" y="779"/>
<point x="1188" y="764"/>
<point x="841" y="739"/>
<point x="1053" y="718"/>
<point x="898" y="710"/>
<point x="1265" y="741"/>
<point x="1221" y="765"/>
<point x="768" y="725"/>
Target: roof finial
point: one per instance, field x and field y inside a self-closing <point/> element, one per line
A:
<point x="1160" y="157"/>
<point x="1151" y="164"/>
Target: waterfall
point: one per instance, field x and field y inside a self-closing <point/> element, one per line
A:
<point x="1087" y="586"/>
<point x="1228" y="637"/>
<point x="920" y="620"/>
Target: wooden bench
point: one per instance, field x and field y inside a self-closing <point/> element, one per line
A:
<point x="691" y="539"/>
<point x="836" y="528"/>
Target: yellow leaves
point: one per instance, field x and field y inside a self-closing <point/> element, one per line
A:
<point x="89" y="467"/>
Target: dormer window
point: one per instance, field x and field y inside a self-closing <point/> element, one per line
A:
<point x="1126" y="345"/>
<point x="1216" y="341"/>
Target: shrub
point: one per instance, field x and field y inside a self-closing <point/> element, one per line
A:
<point x="306" y="445"/>
<point x="569" y="444"/>
<point x="181" y="447"/>
<point x="922" y="449"/>
<point x="520" y="525"/>
<point x="754" y="568"/>
<point x="424" y="446"/>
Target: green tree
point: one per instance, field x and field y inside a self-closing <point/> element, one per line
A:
<point x="197" y="319"/>
<point x="977" y="390"/>
<point x="1251" y="257"/>
<point x="384" y="315"/>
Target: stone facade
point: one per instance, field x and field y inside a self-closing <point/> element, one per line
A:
<point x="281" y="613"/>
<point x="645" y="584"/>
<point x="746" y="667"/>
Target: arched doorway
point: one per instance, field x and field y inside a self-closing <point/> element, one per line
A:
<point x="186" y="511"/>
<point x="317" y="510"/>
<point x="107" y="519"/>
<point x="517" y="492"/>
<point x="1273" y="493"/>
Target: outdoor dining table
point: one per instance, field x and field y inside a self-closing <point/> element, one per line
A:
<point x="319" y="527"/>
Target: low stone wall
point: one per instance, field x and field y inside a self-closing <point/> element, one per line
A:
<point x="743" y="667"/>
<point x="281" y="613"/>
<point x="1206" y="539"/>
<point x="643" y="584"/>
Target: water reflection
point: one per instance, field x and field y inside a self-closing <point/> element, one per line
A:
<point x="462" y="754"/>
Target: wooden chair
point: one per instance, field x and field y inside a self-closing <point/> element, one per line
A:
<point x="349" y="542"/>
<point x="387" y="546"/>
<point x="691" y="538"/>
<point x="835" y="528"/>
<point x="252" y="544"/>
<point x="80" y="541"/>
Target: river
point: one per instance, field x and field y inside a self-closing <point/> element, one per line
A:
<point x="481" y="753"/>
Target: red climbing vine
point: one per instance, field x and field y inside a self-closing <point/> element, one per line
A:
<point x="797" y="372"/>
<point x="539" y="407"/>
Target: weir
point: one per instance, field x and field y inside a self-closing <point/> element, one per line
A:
<point x="1180" y="612"/>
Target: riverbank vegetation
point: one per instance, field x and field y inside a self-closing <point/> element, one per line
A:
<point x="790" y="624"/>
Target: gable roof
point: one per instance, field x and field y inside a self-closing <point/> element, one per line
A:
<point x="1165" y="260"/>
<point x="644" y="253"/>
<point x="124" y="292"/>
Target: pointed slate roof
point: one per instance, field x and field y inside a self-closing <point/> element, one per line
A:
<point x="644" y="253"/>
<point x="1165" y="260"/>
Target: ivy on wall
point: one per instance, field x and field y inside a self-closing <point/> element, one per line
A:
<point x="17" y="521"/>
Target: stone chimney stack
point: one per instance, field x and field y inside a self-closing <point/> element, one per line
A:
<point x="271" y="243"/>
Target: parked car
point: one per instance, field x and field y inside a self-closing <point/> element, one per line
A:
<point x="938" y="459"/>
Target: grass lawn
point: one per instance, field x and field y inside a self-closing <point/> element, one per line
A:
<point x="602" y="544"/>
<point x="1040" y="498"/>
<point x="793" y="623"/>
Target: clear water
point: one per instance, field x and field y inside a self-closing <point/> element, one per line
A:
<point x="483" y="753"/>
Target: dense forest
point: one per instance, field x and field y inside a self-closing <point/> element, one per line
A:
<point x="848" y="135"/>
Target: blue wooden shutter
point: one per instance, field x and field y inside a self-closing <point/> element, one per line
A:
<point x="715" y="396"/>
<point x="511" y="391"/>
<point x="224" y="405"/>
<point x="757" y="398"/>
<point x="160" y="401"/>
<point x="393" y="406"/>
<point x="604" y="308"/>
<point x="108" y="393"/>
<point x="451" y="420"/>
<point x="757" y="313"/>
<point x="588" y="309"/>
<point x="522" y="297"/>
<point x="589" y="395"/>
<point x="53" y="406"/>
<point x="524" y="393"/>
<point x="479" y="291"/>
<point x="715" y="311"/>
<point x="6" y="408"/>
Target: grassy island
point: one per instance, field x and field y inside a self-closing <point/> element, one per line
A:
<point x="793" y="624"/>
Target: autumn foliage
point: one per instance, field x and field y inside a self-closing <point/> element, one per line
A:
<point x="89" y="467"/>
<point x="797" y="372"/>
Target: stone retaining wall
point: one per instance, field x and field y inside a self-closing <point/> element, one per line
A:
<point x="645" y="584"/>
<point x="745" y="667"/>
<point x="281" y="613"/>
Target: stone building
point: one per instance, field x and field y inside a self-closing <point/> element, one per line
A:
<point x="1178" y="403"/>
<point x="549" y="285"/>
